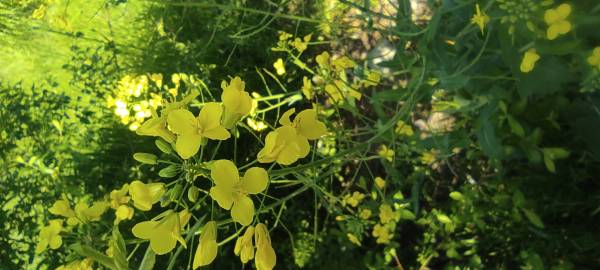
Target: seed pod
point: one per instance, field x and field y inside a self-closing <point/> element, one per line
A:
<point x="168" y="171"/>
<point x="145" y="158"/>
<point x="176" y="192"/>
<point x="163" y="146"/>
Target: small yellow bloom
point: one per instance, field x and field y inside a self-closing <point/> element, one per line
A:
<point x="192" y="130"/>
<point x="382" y="233"/>
<point x="157" y="125"/>
<point x="307" y="88"/>
<point x="265" y="258"/>
<point x="323" y="59"/>
<point x="91" y="213"/>
<point x="62" y="208"/>
<point x="207" y="248"/>
<point x="557" y="21"/>
<point x="429" y="157"/>
<point x="145" y="195"/>
<point x="386" y="153"/>
<point x="231" y="191"/>
<point x="594" y="59"/>
<point x="123" y="212"/>
<point x="379" y="182"/>
<point x="373" y="78"/>
<point x="279" y="66"/>
<point x="529" y="60"/>
<point x="244" y="247"/>
<point x="119" y="196"/>
<point x="365" y="213"/>
<point x="157" y="78"/>
<point x="50" y="236"/>
<point x="256" y="125"/>
<point x="354" y="199"/>
<point x="289" y="142"/>
<point x="480" y="18"/>
<point x="404" y="129"/>
<point x="342" y="63"/>
<point x="236" y="101"/>
<point x="353" y="239"/>
<point x="301" y="44"/>
<point x="386" y="214"/>
<point x="163" y="231"/>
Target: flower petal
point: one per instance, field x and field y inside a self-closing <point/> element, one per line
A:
<point x="217" y="133"/>
<point x="182" y="121"/>
<point x="144" y="230"/>
<point x="161" y="243"/>
<point x="224" y="173"/>
<point x="223" y="196"/>
<point x="210" y="116"/>
<point x="188" y="144"/>
<point x="266" y="154"/>
<point x="284" y="120"/>
<point x="255" y="180"/>
<point x="308" y="125"/>
<point x="243" y="210"/>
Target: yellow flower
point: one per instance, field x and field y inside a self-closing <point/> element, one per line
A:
<point x="279" y="66"/>
<point x="256" y="125"/>
<point x="594" y="59"/>
<point x="236" y="101"/>
<point x="386" y="214"/>
<point x="207" y="248"/>
<point x="404" y="129"/>
<point x="192" y="130"/>
<point x="307" y="89"/>
<point x="354" y="199"/>
<point x="480" y="18"/>
<point x="163" y="231"/>
<point x="373" y="78"/>
<point x="365" y="214"/>
<point x="145" y="195"/>
<point x="62" y="208"/>
<point x="265" y="258"/>
<point x="339" y="90"/>
<point x="119" y="196"/>
<point x="557" y="21"/>
<point x="301" y="44"/>
<point x="386" y="153"/>
<point x="231" y="191"/>
<point x="91" y="213"/>
<point x="429" y="157"/>
<point x="288" y="143"/>
<point x="342" y="63"/>
<point x="382" y="233"/>
<point x="123" y="212"/>
<point x="379" y="182"/>
<point x="353" y="239"/>
<point x="157" y="78"/>
<point x="323" y="59"/>
<point x="244" y="247"/>
<point x="50" y="236"/>
<point x="529" y="60"/>
<point x="157" y="125"/>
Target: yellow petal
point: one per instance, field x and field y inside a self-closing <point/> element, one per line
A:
<point x="210" y="116"/>
<point x="188" y="144"/>
<point x="284" y="120"/>
<point x="308" y="125"/>
<point x="255" y="180"/>
<point x="267" y="155"/>
<point x="529" y="60"/>
<point x="207" y="248"/>
<point x="223" y="196"/>
<point x="162" y="243"/>
<point x="303" y="146"/>
<point x="243" y="210"/>
<point x="182" y="121"/>
<point x="145" y="195"/>
<point x="563" y="11"/>
<point x="62" y="208"/>
<point x="145" y="229"/>
<point x="224" y="173"/>
<point x="96" y="210"/>
<point x="323" y="59"/>
<point x="55" y="242"/>
<point x="217" y="133"/>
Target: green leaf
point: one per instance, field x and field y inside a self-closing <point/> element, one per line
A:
<point x="149" y="260"/>
<point x="533" y="218"/>
<point x="486" y="134"/>
<point x="549" y="162"/>
<point x="97" y="256"/>
<point x="457" y="196"/>
<point x="515" y="127"/>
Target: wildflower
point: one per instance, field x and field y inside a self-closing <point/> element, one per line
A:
<point x="157" y="78"/>
<point x="480" y="18"/>
<point x="236" y="101"/>
<point x="145" y="195"/>
<point x="163" y="231"/>
<point x="386" y="214"/>
<point x="342" y="63"/>
<point x="428" y="158"/>
<point x="244" y="247"/>
<point x="256" y="124"/>
<point x="279" y="66"/>
<point x="382" y="233"/>
<point x="386" y="153"/>
<point x="289" y="142"/>
<point x="207" y="248"/>
<point x="365" y="214"/>
<point x="557" y="21"/>
<point x="404" y="129"/>
<point x="91" y="213"/>
<point x="338" y="90"/>
<point x="157" y="125"/>
<point x="594" y="59"/>
<point x="62" y="208"/>
<point x="307" y="89"/>
<point x="373" y="78"/>
<point x="123" y="212"/>
<point x="265" y="258"/>
<point x="529" y="59"/>
<point x="119" y="196"/>
<point x="379" y="182"/>
<point x="192" y="130"/>
<point x="354" y="199"/>
<point x="353" y="239"/>
<point x="231" y="191"/>
<point x="50" y="236"/>
<point x="323" y="59"/>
